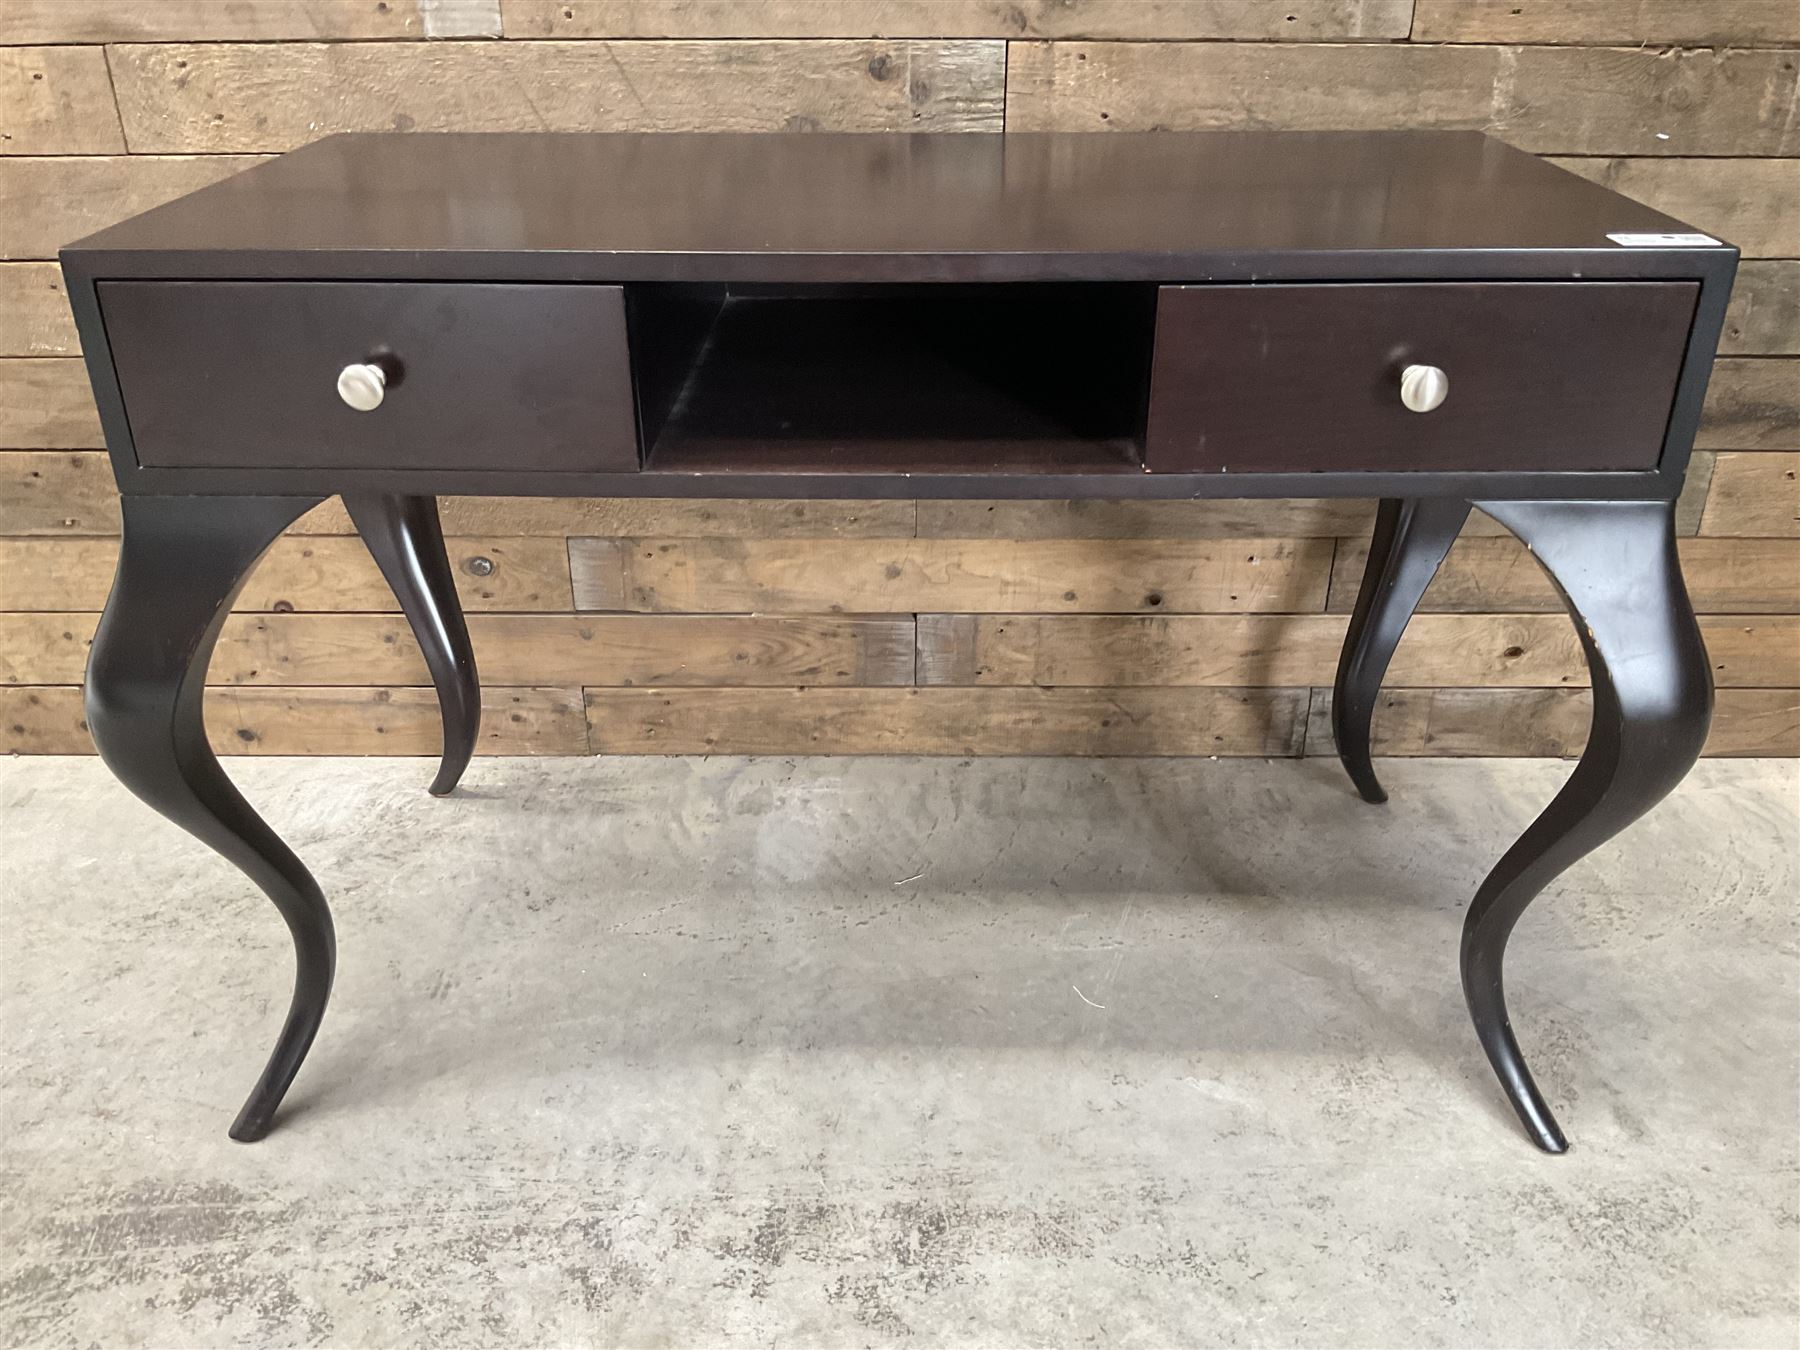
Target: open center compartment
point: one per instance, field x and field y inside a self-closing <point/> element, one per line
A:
<point x="952" y="378"/>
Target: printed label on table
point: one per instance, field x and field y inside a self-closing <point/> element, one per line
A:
<point x="1665" y="240"/>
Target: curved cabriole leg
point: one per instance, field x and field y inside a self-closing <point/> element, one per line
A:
<point x="408" y="544"/>
<point x="180" y="565"/>
<point x="1411" y="537"/>
<point x="1616" y="567"/>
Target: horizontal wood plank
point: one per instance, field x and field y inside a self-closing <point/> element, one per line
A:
<point x="1753" y="651"/>
<point x="1297" y="518"/>
<point x="1096" y="519"/>
<point x="48" y="720"/>
<point x="48" y="202"/>
<point x="1693" y="23"/>
<point x="1754" y="495"/>
<point x="34" y="312"/>
<point x="191" y="99"/>
<point x="534" y="721"/>
<point x="72" y="492"/>
<point x="559" y="649"/>
<point x="56" y="101"/>
<point x="57" y="492"/>
<point x="244" y="20"/>
<point x="45" y="404"/>
<point x="1764" y="318"/>
<point x="1753" y="203"/>
<point x="1134" y="20"/>
<point x="661" y="517"/>
<point x="298" y="573"/>
<point x="1013" y="650"/>
<point x="1755" y="722"/>
<point x="1413" y="722"/>
<point x="1111" y="651"/>
<point x="947" y="721"/>
<point x="1552" y="100"/>
<point x="45" y="648"/>
<point x="1497" y="574"/>
<point x="1752" y="403"/>
<point x="940" y="575"/>
<point x="1470" y="650"/>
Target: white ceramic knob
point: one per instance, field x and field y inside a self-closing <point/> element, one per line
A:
<point x="362" y="385"/>
<point x="1423" y="388"/>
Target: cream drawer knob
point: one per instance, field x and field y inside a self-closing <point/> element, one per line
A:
<point x="362" y="385"/>
<point x="1422" y="388"/>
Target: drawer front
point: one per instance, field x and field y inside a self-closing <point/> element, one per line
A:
<point x="244" y="374"/>
<point x="1307" y="378"/>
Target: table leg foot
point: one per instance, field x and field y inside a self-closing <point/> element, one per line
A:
<point x="181" y="562"/>
<point x="1616" y="567"/>
<point x="1412" y="535"/>
<point x="407" y="542"/>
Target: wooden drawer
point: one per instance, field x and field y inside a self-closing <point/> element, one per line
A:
<point x="1306" y="378"/>
<point x="482" y="375"/>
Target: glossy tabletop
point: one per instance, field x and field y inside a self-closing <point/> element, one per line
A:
<point x="815" y="207"/>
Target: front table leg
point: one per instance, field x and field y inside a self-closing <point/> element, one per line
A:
<point x="182" y="561"/>
<point x="1616" y="567"/>
<point x="407" y="542"/>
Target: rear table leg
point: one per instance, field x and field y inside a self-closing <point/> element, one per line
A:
<point x="1412" y="535"/>
<point x="407" y="542"/>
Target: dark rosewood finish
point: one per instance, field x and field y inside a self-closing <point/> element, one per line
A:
<point x="931" y="316"/>
<point x="407" y="543"/>
<point x="708" y="212"/>
<point x="855" y="208"/>
<point x="1409" y="544"/>
<point x="1543" y="376"/>
<point x="223" y="373"/>
<point x="1616" y="566"/>
<point x="181" y="562"/>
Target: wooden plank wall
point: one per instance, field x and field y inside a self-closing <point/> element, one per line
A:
<point x="949" y="628"/>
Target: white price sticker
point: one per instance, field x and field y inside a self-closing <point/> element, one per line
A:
<point x="1665" y="240"/>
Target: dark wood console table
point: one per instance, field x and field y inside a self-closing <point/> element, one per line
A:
<point x="1433" y="319"/>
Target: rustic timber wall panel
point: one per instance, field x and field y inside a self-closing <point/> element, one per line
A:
<point x="894" y="627"/>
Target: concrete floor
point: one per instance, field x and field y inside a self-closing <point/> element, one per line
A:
<point x="856" y="1052"/>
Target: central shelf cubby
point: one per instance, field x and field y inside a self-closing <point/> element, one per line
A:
<point x="947" y="378"/>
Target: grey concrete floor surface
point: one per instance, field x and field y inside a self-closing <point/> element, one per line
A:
<point x="675" y="1052"/>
